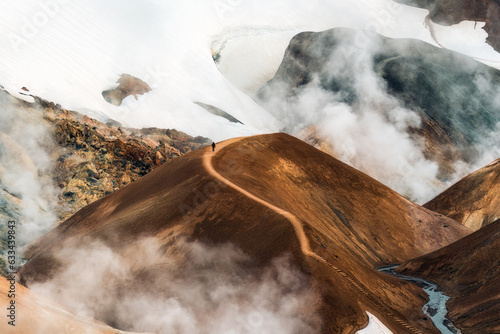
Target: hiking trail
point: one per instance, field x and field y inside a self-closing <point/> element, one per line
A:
<point x="299" y="231"/>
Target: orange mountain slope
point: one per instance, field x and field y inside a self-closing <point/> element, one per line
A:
<point x="267" y="195"/>
<point x="469" y="270"/>
<point x="474" y="201"/>
<point x="35" y="314"/>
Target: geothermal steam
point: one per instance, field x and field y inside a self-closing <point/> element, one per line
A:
<point x="195" y="289"/>
<point x="25" y="170"/>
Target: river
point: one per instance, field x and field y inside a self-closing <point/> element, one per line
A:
<point x="436" y="307"/>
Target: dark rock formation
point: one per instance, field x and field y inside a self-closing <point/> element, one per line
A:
<point x="448" y="12"/>
<point x="218" y="112"/>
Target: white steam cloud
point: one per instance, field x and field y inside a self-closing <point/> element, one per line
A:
<point x="364" y="125"/>
<point x="198" y="289"/>
<point x="371" y="134"/>
<point x="25" y="170"/>
<point x="489" y="148"/>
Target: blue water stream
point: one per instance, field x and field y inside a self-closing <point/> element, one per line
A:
<point x="436" y="307"/>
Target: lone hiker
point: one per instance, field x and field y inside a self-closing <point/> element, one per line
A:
<point x="213" y="146"/>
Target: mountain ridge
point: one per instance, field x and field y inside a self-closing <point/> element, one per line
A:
<point x="474" y="200"/>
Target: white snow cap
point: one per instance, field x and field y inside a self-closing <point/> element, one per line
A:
<point x="70" y="51"/>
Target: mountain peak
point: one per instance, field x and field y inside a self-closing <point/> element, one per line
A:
<point x="267" y="195"/>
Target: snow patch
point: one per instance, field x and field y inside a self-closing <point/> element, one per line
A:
<point x="375" y="326"/>
<point x="469" y="38"/>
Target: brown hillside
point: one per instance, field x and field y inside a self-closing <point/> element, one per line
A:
<point x="474" y="201"/>
<point x="270" y="195"/>
<point x="469" y="270"/>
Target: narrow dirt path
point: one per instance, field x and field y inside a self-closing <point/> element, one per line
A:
<point x="297" y="225"/>
<point x="299" y="231"/>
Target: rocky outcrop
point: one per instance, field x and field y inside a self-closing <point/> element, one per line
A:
<point x="218" y="112"/>
<point x="448" y="12"/>
<point x="474" y="201"/>
<point x="96" y="159"/>
<point x="127" y="86"/>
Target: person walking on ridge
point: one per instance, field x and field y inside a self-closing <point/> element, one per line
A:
<point x="213" y="146"/>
